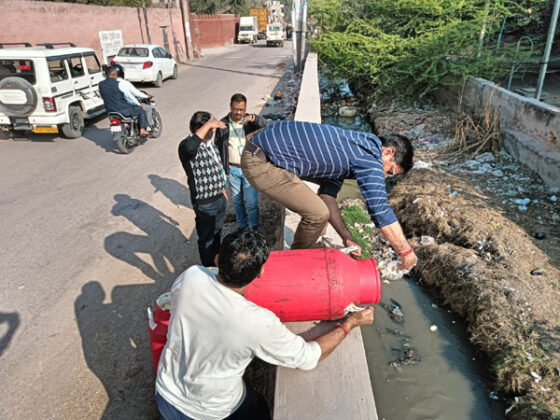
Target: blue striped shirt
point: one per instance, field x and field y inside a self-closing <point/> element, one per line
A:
<point x="330" y="154"/>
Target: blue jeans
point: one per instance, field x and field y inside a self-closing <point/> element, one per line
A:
<point x="209" y="219"/>
<point x="245" y="199"/>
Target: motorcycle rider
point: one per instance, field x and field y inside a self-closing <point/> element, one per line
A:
<point x="115" y="100"/>
<point x="132" y="94"/>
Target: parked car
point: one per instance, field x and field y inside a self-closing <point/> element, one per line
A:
<point x="274" y="34"/>
<point x="46" y="89"/>
<point x="146" y="63"/>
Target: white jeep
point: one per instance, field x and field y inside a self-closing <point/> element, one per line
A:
<point x="46" y="89"/>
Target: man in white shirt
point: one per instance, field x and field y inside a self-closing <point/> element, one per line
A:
<point x="131" y="94"/>
<point x="214" y="333"/>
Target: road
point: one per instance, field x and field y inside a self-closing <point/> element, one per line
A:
<point x="90" y="237"/>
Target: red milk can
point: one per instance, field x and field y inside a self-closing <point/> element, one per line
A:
<point x="314" y="284"/>
<point x="298" y="285"/>
<point x="158" y="324"/>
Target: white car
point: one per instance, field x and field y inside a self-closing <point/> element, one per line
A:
<point x="46" y="89"/>
<point x="146" y="63"/>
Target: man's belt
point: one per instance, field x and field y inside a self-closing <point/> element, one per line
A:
<point x="255" y="150"/>
<point x="237" y="165"/>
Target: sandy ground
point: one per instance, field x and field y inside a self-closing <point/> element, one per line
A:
<point x="89" y="239"/>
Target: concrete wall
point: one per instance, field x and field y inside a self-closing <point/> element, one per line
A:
<point x="531" y="129"/>
<point x="80" y="24"/>
<point x="212" y="31"/>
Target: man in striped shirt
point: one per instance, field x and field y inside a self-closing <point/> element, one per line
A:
<point x="279" y="156"/>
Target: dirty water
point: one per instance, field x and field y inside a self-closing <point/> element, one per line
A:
<point x="421" y="363"/>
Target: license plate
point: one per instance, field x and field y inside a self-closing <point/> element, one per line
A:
<point x="52" y="129"/>
<point x="116" y="129"/>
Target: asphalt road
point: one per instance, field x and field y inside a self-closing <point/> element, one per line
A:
<point x="90" y="237"/>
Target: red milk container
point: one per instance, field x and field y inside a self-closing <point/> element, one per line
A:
<point x="158" y="324"/>
<point x="314" y="284"/>
<point x="298" y="285"/>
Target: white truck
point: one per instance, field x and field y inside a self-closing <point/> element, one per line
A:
<point x="274" y="34"/>
<point x="248" y="29"/>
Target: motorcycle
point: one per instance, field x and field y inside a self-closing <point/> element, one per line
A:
<point x="126" y="132"/>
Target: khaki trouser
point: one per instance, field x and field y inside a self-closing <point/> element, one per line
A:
<point x="290" y="191"/>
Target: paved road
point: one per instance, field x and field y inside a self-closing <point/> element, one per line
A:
<point x="90" y="237"/>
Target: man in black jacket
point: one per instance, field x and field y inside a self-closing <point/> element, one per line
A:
<point x="207" y="179"/>
<point x="231" y="141"/>
<point x="115" y="100"/>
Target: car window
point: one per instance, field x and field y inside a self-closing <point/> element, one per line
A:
<point x="76" y="67"/>
<point x="92" y="63"/>
<point x="19" y="68"/>
<point x="164" y="53"/>
<point x="133" y="52"/>
<point x="156" y="52"/>
<point x="57" y="69"/>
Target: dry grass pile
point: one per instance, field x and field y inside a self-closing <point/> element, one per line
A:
<point x="482" y="264"/>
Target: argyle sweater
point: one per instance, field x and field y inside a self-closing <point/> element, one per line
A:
<point x="203" y="167"/>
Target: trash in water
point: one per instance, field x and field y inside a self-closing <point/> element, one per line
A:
<point x="522" y="201"/>
<point x="540" y="235"/>
<point x="553" y="198"/>
<point x="394" y="312"/>
<point x="419" y="164"/>
<point x="538" y="272"/>
<point x="535" y="375"/>
<point x="347" y="111"/>
<point x="516" y="400"/>
<point x="395" y="304"/>
<point x="493" y="396"/>
<point x="485" y="157"/>
<point x="433" y="328"/>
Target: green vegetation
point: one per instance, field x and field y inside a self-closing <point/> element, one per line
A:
<point x="405" y="48"/>
<point x="240" y="7"/>
<point x="355" y="219"/>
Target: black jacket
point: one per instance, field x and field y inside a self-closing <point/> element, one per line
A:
<point x="222" y="136"/>
<point x="113" y="97"/>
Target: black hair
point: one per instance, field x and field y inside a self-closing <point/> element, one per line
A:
<point x="403" y="150"/>
<point x="120" y="70"/>
<point x="198" y="119"/>
<point x="110" y="69"/>
<point x="242" y="255"/>
<point x="238" y="97"/>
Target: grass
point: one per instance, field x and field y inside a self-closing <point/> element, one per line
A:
<point x="357" y="220"/>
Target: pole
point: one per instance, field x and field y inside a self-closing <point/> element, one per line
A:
<point x="547" y="49"/>
<point x="146" y="21"/>
<point x="300" y="18"/>
<point x="186" y="14"/>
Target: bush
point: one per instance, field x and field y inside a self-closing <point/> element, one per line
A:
<point x="405" y="48"/>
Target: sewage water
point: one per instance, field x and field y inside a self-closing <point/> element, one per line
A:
<point x="421" y="364"/>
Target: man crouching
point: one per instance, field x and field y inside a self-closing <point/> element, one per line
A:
<point x="214" y="333"/>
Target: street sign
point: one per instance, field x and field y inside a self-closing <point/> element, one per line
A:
<point x="111" y="42"/>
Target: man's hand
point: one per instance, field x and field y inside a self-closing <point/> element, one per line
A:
<point x="408" y="261"/>
<point x="354" y="254"/>
<point x="214" y="123"/>
<point x="357" y="319"/>
<point x="143" y="107"/>
<point x="248" y="118"/>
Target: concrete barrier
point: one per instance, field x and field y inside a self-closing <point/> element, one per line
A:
<point x="531" y="129"/>
<point x="340" y="387"/>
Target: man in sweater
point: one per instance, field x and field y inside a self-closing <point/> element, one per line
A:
<point x="215" y="332"/>
<point x="207" y="179"/>
<point x="231" y="141"/>
<point x="278" y="157"/>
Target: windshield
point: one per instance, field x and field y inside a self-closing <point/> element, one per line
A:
<point x="246" y="28"/>
<point x="133" y="52"/>
<point x="18" y="68"/>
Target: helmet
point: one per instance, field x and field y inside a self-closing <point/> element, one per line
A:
<point x="120" y="70"/>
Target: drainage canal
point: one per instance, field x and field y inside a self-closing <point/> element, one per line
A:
<point x="421" y="363"/>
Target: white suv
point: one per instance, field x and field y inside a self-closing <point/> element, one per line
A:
<point x="46" y="89"/>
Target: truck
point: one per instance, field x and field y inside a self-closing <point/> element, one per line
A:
<point x="262" y="19"/>
<point x="248" y="29"/>
<point x="274" y="34"/>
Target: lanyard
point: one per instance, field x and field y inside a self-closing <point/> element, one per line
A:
<point x="233" y="128"/>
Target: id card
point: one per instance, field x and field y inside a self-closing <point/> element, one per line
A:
<point x="224" y="176"/>
<point x="240" y="149"/>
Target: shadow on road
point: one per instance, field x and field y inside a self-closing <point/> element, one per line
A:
<point x="176" y="192"/>
<point x="268" y="76"/>
<point x="12" y="321"/>
<point x="114" y="331"/>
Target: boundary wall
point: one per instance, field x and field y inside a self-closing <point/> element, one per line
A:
<point x="530" y="128"/>
<point x="340" y="386"/>
<point x="213" y="31"/>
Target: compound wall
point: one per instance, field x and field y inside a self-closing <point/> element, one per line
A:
<point x="212" y="31"/>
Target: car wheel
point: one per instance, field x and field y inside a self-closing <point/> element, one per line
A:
<point x="159" y="80"/>
<point x="157" y="128"/>
<point x="175" y="72"/>
<point x="75" y="128"/>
